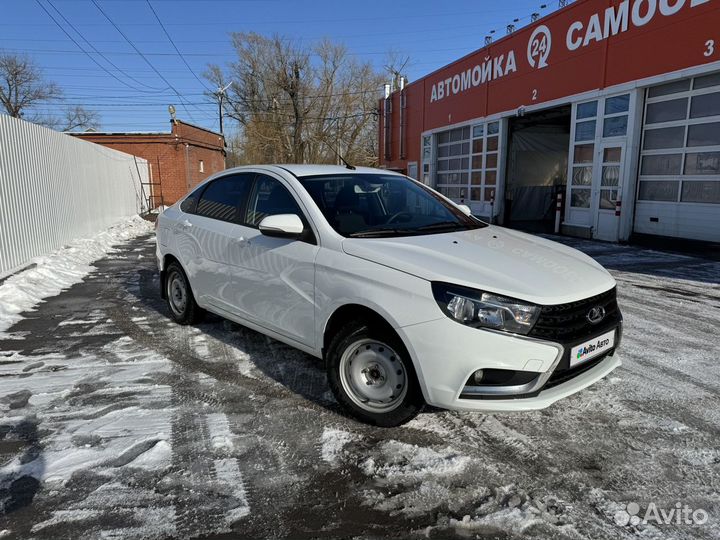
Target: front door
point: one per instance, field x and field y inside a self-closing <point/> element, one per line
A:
<point x="274" y="278"/>
<point x="607" y="184"/>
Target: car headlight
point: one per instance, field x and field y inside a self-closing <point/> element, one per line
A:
<point x="485" y="310"/>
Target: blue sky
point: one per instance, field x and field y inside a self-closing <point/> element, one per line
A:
<point x="432" y="34"/>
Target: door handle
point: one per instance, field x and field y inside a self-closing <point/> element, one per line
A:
<point x="186" y="224"/>
<point x="241" y="241"/>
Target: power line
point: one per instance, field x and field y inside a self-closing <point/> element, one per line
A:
<point x="84" y="51"/>
<point x="346" y="20"/>
<point x="216" y="54"/>
<point x="98" y="52"/>
<point x="239" y="111"/>
<point x="143" y="57"/>
<point x="175" y="47"/>
<point x="309" y="96"/>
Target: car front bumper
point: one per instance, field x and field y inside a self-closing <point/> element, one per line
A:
<point x="446" y="354"/>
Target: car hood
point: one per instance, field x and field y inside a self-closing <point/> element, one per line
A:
<point x="492" y="259"/>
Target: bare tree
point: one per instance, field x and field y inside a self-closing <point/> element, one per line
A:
<point x="79" y="118"/>
<point x="23" y="86"/>
<point x="299" y="104"/>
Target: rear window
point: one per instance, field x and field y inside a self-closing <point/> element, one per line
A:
<point x="190" y="203"/>
<point x="222" y="198"/>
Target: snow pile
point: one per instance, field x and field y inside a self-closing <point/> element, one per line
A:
<point x="333" y="442"/>
<point x="414" y="480"/>
<point x="407" y="462"/>
<point x="509" y="509"/>
<point x="61" y="269"/>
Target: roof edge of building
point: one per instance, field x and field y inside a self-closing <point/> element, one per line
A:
<point x="200" y="128"/>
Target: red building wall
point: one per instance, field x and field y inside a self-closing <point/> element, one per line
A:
<point x="661" y="36"/>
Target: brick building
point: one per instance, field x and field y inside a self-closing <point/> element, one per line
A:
<point x="178" y="160"/>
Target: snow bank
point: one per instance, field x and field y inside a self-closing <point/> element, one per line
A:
<point x="333" y="442"/>
<point x="61" y="269"/>
<point x="408" y="462"/>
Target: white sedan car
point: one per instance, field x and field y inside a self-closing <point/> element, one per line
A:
<point x="406" y="297"/>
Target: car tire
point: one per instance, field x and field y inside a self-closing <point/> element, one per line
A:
<point x="381" y="388"/>
<point x="180" y="298"/>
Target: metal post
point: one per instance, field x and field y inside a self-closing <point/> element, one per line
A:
<point x="220" y="94"/>
<point x="492" y="207"/>
<point x="220" y="114"/>
<point x="558" y="211"/>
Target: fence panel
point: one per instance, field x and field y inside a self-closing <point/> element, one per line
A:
<point x="54" y="188"/>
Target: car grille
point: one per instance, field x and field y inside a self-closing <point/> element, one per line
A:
<point x="568" y="322"/>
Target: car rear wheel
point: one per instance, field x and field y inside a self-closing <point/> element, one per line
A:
<point x="372" y="375"/>
<point x="180" y="299"/>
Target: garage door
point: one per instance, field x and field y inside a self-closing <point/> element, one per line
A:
<point x="679" y="178"/>
<point x="467" y="164"/>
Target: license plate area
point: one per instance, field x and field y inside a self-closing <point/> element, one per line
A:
<point x="591" y="348"/>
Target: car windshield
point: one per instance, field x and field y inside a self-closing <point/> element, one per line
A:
<point x="382" y="205"/>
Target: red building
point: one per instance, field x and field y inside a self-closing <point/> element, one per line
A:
<point x="178" y="160"/>
<point x="613" y="104"/>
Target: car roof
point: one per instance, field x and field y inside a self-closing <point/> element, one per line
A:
<point x="301" y="170"/>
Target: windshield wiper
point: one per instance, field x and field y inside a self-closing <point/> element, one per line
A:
<point x="371" y="233"/>
<point x="453" y="225"/>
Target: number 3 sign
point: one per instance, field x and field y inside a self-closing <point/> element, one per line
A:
<point x="539" y="47"/>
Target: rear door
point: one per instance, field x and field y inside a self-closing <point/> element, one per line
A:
<point x="274" y="278"/>
<point x="210" y="233"/>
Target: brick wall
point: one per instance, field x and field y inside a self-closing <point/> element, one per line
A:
<point x="174" y="157"/>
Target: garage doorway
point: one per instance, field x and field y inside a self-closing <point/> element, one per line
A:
<point x="536" y="168"/>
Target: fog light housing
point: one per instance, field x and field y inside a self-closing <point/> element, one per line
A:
<point x="477" y="377"/>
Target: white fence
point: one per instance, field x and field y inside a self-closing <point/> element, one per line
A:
<point x="54" y="188"/>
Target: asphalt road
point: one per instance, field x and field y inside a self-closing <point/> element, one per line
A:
<point x="117" y="423"/>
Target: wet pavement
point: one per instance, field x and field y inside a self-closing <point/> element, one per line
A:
<point x="117" y="423"/>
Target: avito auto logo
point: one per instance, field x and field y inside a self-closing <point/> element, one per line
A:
<point x="592" y="348"/>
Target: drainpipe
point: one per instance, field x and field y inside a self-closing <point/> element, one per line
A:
<point x="187" y="166"/>
<point x="387" y="115"/>
<point x="402" y="118"/>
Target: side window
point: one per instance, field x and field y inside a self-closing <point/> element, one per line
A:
<point x="189" y="204"/>
<point x="222" y="197"/>
<point x="268" y="198"/>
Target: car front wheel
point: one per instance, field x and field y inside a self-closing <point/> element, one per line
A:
<point x="372" y="376"/>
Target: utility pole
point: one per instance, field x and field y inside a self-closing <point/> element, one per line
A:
<point x="220" y="94"/>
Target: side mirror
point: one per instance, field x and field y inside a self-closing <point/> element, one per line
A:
<point x="465" y="209"/>
<point x="283" y="225"/>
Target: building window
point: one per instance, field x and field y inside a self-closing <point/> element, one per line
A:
<point x="586" y="110"/>
<point x="202" y="166"/>
<point x="583" y="154"/>
<point x="680" y="150"/>
<point x="467" y="162"/>
<point x="615" y="121"/>
<point x="585" y="131"/>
